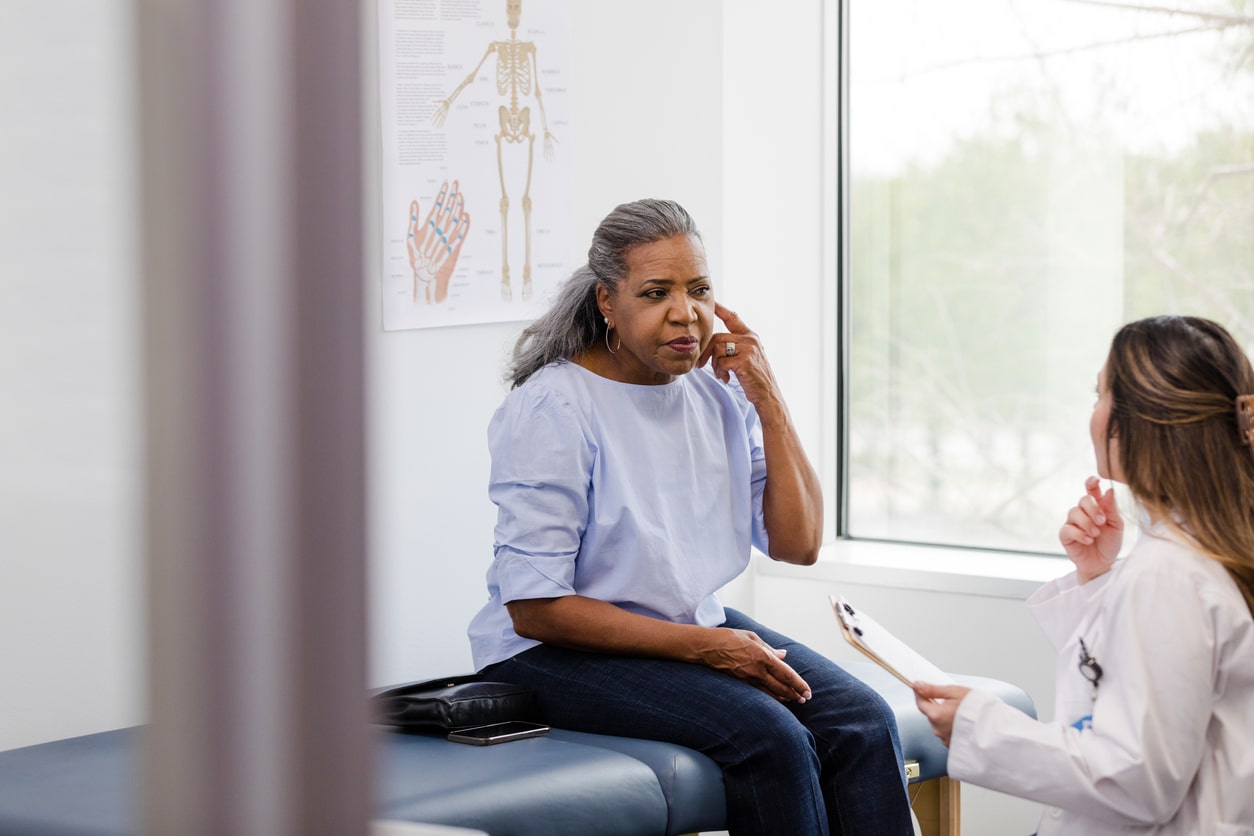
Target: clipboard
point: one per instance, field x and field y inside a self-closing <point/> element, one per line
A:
<point x="883" y="648"/>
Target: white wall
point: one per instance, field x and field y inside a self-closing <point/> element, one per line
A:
<point x="71" y="601"/>
<point x="773" y="194"/>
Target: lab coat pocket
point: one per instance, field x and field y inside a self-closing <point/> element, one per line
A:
<point x="1235" y="830"/>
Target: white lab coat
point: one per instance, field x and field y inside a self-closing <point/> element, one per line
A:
<point x="1165" y="745"/>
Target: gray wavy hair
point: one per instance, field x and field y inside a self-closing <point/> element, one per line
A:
<point x="574" y="323"/>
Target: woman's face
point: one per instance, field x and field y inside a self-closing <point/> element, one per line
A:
<point x="663" y="311"/>
<point x="1106" y="450"/>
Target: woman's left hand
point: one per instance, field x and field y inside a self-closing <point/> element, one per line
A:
<point x="939" y="704"/>
<point x="747" y="359"/>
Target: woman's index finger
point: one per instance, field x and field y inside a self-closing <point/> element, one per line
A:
<point x="730" y="318"/>
<point x="1110" y="505"/>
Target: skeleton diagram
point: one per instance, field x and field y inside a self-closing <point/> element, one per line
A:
<point x="517" y="75"/>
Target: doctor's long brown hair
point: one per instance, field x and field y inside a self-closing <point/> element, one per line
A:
<point x="1173" y="382"/>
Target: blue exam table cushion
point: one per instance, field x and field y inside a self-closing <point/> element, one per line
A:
<point x="564" y="783"/>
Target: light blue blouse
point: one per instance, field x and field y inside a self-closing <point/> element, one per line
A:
<point x="648" y="497"/>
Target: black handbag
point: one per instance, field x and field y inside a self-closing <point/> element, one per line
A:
<point x="454" y="702"/>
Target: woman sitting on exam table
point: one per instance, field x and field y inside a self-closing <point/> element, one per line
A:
<point x="1155" y="677"/>
<point x="640" y="453"/>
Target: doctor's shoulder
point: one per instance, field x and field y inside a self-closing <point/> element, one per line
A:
<point x="1181" y="578"/>
<point x="1164" y="551"/>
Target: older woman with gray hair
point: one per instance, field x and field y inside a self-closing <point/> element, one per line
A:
<point x="639" y="456"/>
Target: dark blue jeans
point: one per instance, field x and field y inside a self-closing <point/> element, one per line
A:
<point x="832" y="765"/>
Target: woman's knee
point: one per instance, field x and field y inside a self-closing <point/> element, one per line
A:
<point x="769" y="735"/>
<point x="876" y="711"/>
<point x="863" y="722"/>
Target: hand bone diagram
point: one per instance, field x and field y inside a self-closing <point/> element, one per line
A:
<point x="435" y="244"/>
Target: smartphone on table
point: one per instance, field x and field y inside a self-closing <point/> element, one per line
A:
<point x="498" y="733"/>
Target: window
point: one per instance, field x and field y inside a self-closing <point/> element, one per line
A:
<point x="1023" y="177"/>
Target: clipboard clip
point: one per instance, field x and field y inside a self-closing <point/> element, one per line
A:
<point x="848" y="616"/>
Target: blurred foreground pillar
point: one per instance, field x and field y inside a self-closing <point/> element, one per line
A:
<point x="251" y="239"/>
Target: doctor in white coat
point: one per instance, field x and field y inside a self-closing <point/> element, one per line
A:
<point x="1154" y="729"/>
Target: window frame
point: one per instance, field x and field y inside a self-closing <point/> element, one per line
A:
<point x="845" y="558"/>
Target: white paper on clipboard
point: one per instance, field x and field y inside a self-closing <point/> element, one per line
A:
<point x="885" y="649"/>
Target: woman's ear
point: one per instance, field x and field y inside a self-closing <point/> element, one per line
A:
<point x="605" y="302"/>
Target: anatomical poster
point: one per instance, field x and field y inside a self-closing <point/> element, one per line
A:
<point x="477" y="159"/>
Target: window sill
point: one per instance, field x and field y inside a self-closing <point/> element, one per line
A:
<point x="931" y="568"/>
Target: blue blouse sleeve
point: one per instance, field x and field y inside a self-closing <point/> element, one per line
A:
<point x="542" y="460"/>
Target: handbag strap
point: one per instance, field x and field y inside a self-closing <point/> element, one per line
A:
<point x="425" y="685"/>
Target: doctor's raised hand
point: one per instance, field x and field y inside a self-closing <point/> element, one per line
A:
<point x="1093" y="532"/>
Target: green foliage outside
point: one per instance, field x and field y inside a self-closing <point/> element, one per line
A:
<point x="962" y="272"/>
